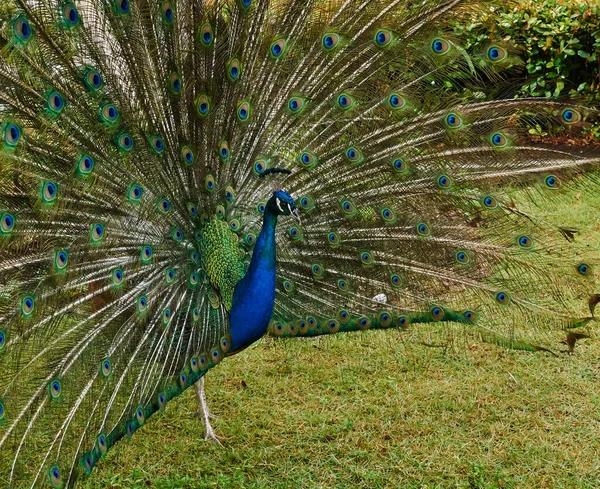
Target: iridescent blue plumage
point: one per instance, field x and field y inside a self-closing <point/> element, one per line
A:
<point x="254" y="295"/>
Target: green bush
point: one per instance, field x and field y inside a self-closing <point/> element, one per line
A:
<point x="558" y="40"/>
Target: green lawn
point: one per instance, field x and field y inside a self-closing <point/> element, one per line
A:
<point x="376" y="409"/>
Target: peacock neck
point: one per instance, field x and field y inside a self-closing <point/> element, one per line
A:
<point x="254" y="295"/>
<point x="264" y="255"/>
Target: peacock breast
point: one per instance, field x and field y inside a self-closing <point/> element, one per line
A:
<point x="221" y="258"/>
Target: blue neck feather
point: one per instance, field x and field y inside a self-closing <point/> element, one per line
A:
<point x="254" y="295"/>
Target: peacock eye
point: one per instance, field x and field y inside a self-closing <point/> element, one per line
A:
<point x="552" y="181"/>
<point x="525" y="242"/>
<point x="502" y="298"/>
<point x="344" y="101"/>
<point x="22" y="29"/>
<point x="330" y="41"/>
<point x="490" y="202"/>
<point x="203" y="105"/>
<point x="278" y="48"/>
<point x="167" y="13"/>
<point x="396" y="101"/>
<point x="584" y="269"/>
<point x="55" y="102"/>
<point x="383" y="37"/>
<point x="571" y="116"/>
<point x="224" y="151"/>
<point x="453" y="121"/>
<point x="70" y="15"/>
<point x="244" y="111"/>
<point x="234" y="69"/>
<point x="440" y="46"/>
<point x="496" y="54"/>
<point x="499" y="140"/>
<point x="295" y="105"/>
<point x="206" y="34"/>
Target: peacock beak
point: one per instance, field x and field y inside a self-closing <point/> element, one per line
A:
<point x="294" y="213"/>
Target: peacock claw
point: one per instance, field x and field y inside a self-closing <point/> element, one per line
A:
<point x="212" y="437"/>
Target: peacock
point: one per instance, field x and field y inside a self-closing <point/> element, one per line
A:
<point x="179" y="178"/>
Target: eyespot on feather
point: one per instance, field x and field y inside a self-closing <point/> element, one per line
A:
<point x="55" y="103"/>
<point x="168" y="14"/>
<point x="187" y="155"/>
<point x="462" y="257"/>
<point x="570" y="116"/>
<point x="7" y="223"/>
<point x="453" y="121"/>
<point x="61" y="259"/>
<point x="54" y="477"/>
<point x="163" y="205"/>
<point x="525" y="242"/>
<point x="117" y="277"/>
<point x="244" y="111"/>
<point x="400" y="166"/>
<point x="585" y="270"/>
<point x="437" y="313"/>
<point x="22" y="29"/>
<point x="502" y="298"/>
<point x="444" y="182"/>
<point x="440" y="46"/>
<point x="124" y="142"/>
<point x="278" y="48"/>
<point x="307" y="160"/>
<point x="96" y="232"/>
<point x="12" y="134"/>
<point x="93" y="80"/>
<point x="49" y="192"/>
<point x="423" y="230"/>
<point x="234" y="70"/>
<point x="317" y="270"/>
<point x="69" y="14"/>
<point x="499" y="140"/>
<point x="134" y="193"/>
<point x="174" y="83"/>
<point x="203" y="105"/>
<point x="354" y="155"/>
<point x="496" y="54"/>
<point x="552" y="182"/>
<point x="330" y="41"/>
<point x="27" y="306"/>
<point x="169" y="276"/>
<point x="383" y="38"/>
<point x="489" y="202"/>
<point x="224" y="153"/>
<point x="121" y="7"/>
<point x="344" y="101"/>
<point x="205" y="35"/>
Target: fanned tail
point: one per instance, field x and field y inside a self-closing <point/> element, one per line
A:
<point x="133" y="140"/>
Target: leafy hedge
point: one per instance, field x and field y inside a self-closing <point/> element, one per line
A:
<point x="558" y="40"/>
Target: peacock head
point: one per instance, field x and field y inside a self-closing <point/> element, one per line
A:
<point x="282" y="204"/>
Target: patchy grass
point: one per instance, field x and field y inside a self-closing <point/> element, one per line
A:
<point x="374" y="410"/>
<point x="365" y="410"/>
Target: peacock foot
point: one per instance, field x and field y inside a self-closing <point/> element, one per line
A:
<point x="211" y="436"/>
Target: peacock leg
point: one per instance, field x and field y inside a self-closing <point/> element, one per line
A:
<point x="203" y="411"/>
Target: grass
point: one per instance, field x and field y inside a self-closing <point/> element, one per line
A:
<point x="373" y="409"/>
